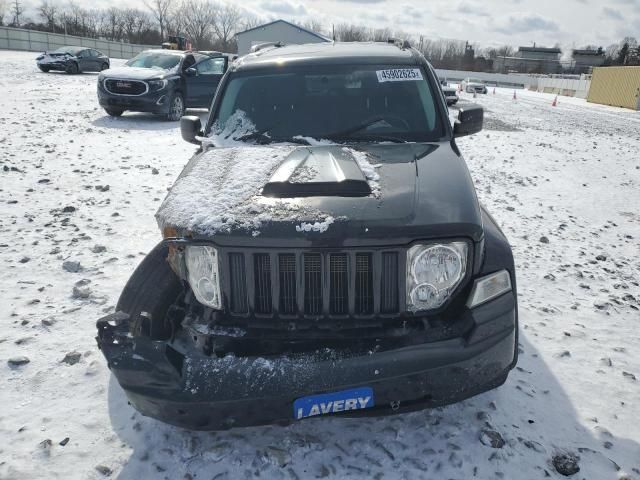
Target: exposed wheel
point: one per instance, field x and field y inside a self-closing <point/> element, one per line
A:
<point x="43" y="68"/>
<point x="152" y="288"/>
<point x="176" y="107"/>
<point x="113" y="112"/>
<point x="104" y="66"/>
<point x="72" y="68"/>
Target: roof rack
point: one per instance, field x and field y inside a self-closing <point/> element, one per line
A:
<point x="262" y="46"/>
<point x="400" y="43"/>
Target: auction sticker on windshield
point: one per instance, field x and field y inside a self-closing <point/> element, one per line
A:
<point x="399" y="75"/>
<point x="325" y="403"/>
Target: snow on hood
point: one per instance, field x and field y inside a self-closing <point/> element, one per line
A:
<point x="136" y="73"/>
<point x="221" y="190"/>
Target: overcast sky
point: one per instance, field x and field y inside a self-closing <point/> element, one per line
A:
<point x="487" y="22"/>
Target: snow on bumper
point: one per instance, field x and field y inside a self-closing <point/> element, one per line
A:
<point x="195" y="391"/>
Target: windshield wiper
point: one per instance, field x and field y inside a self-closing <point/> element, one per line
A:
<point x="261" y="136"/>
<point x="355" y="128"/>
<point x="371" y="137"/>
<point x="347" y="134"/>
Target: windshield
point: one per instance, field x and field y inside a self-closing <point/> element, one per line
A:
<point x="69" y="50"/>
<point x="336" y="102"/>
<point x="475" y="80"/>
<point x="163" y="61"/>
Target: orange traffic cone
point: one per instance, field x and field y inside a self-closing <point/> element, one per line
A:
<point x="555" y="102"/>
<point x="514" y="95"/>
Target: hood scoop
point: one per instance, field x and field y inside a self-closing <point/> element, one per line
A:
<point x="318" y="172"/>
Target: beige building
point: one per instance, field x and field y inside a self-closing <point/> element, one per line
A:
<point x="616" y="86"/>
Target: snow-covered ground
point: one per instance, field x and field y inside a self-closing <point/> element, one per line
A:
<point x="78" y="186"/>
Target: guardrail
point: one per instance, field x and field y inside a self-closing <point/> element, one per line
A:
<point x="35" y="41"/>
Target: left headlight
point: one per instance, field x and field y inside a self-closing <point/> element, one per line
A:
<point x="202" y="268"/>
<point x="156" y="85"/>
<point x="433" y="273"/>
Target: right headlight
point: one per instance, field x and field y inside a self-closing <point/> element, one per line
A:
<point x="433" y="273"/>
<point x="157" y="85"/>
<point x="202" y="269"/>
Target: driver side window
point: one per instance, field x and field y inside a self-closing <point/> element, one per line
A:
<point x="211" y="66"/>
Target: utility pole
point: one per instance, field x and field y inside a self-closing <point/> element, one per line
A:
<point x="17" y="11"/>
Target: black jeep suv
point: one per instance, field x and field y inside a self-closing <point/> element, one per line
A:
<point x="162" y="81"/>
<point x="324" y="252"/>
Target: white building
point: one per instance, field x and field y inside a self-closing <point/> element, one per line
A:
<point x="276" y="31"/>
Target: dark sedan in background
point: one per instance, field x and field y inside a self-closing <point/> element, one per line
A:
<point x="165" y="82"/>
<point x="73" y="60"/>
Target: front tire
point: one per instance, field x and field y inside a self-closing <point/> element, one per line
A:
<point x="73" y="68"/>
<point x="112" y="112"/>
<point x="176" y="107"/>
<point x="152" y="288"/>
<point x="104" y="66"/>
<point x="43" y="69"/>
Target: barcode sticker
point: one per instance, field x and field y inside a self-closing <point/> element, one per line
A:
<point x="399" y="75"/>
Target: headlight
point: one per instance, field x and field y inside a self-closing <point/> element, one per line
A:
<point x="433" y="273"/>
<point x="202" y="268"/>
<point x="155" y="85"/>
<point x="489" y="287"/>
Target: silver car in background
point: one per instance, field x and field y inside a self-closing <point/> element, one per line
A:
<point x="471" y="85"/>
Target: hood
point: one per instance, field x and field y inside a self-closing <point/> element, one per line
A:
<point x="135" y="73"/>
<point x="325" y="196"/>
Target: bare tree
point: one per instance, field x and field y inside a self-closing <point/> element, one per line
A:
<point x="346" y="32"/>
<point x="197" y="18"/>
<point x="161" y="10"/>
<point x="225" y="23"/>
<point x="16" y="10"/>
<point x="3" y="10"/>
<point x="314" y="25"/>
<point x="380" y="34"/>
<point x="249" y="21"/>
<point x="49" y="13"/>
<point x="114" y="24"/>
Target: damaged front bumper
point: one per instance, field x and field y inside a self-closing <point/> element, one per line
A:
<point x="176" y="383"/>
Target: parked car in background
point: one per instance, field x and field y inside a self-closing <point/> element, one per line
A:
<point x="73" y="60"/>
<point x="450" y="93"/>
<point x="166" y="82"/>
<point x="476" y="85"/>
<point x="299" y="278"/>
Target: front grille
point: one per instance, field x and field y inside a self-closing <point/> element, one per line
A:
<point x="125" y="87"/>
<point x="330" y="284"/>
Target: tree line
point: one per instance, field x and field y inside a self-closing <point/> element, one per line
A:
<point x="211" y="25"/>
<point x="208" y="24"/>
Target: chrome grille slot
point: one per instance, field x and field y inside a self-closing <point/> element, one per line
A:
<point x="338" y="284"/>
<point x="389" y="283"/>
<point x="262" y="269"/>
<point x="364" y="284"/>
<point x="312" y="284"/>
<point x="237" y="277"/>
<point x="287" y="278"/>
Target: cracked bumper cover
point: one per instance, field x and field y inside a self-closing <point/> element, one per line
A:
<point x="195" y="391"/>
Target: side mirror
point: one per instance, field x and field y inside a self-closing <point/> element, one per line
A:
<point x="190" y="127"/>
<point x="191" y="72"/>
<point x="469" y="121"/>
